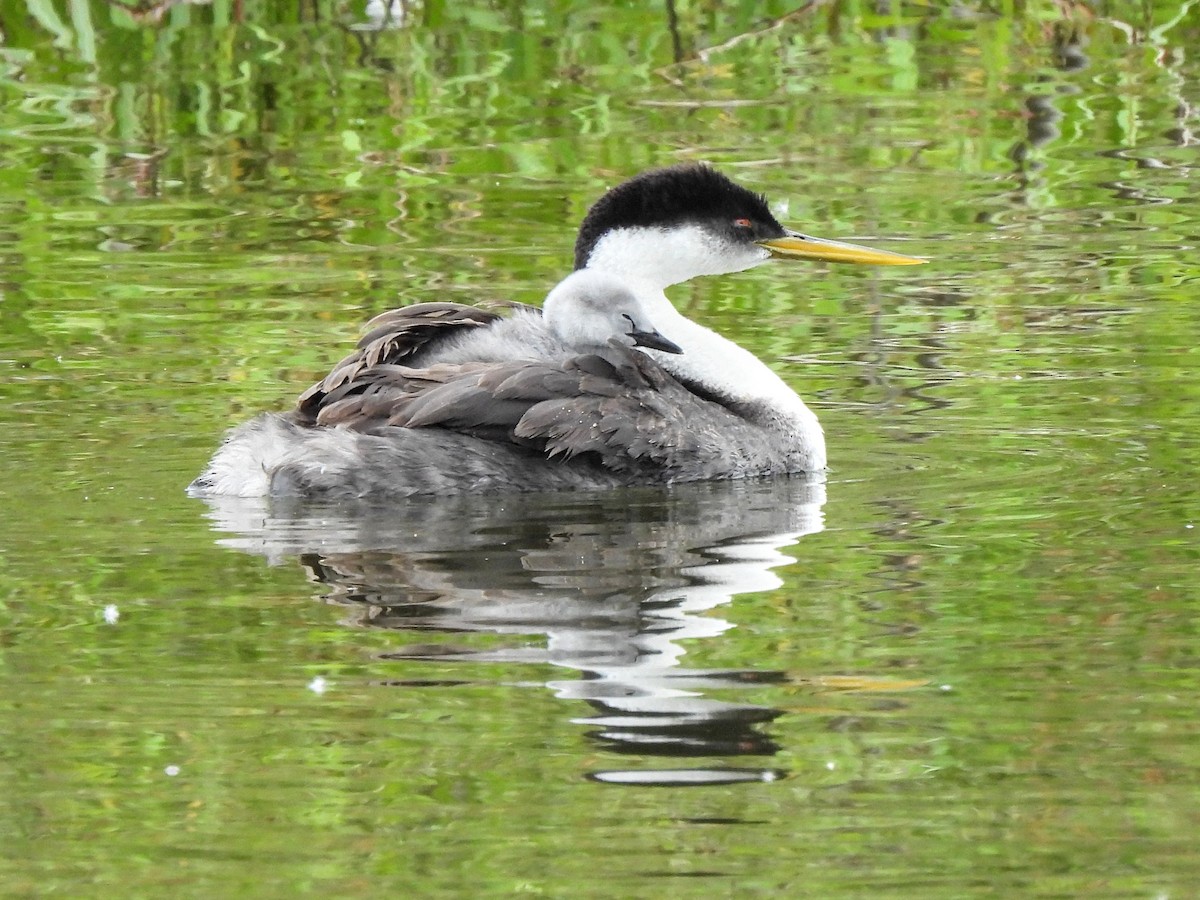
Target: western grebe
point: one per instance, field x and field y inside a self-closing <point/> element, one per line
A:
<point x="443" y="397"/>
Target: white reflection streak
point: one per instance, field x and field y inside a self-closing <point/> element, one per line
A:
<point x="654" y="675"/>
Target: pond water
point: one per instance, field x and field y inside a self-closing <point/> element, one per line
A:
<point x="964" y="665"/>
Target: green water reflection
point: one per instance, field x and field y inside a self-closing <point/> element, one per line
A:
<point x="967" y="668"/>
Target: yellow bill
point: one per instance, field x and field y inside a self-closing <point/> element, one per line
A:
<point x="801" y="246"/>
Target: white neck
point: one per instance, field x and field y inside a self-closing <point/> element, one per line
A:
<point x="721" y="366"/>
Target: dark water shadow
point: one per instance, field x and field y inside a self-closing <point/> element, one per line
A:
<point x="613" y="581"/>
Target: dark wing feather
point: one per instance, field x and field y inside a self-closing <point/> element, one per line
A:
<point x="633" y="416"/>
<point x="393" y="338"/>
<point x="616" y="407"/>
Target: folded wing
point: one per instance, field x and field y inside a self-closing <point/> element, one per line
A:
<point x="616" y="407"/>
<point x="395" y="337"/>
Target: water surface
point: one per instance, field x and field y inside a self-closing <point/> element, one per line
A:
<point x="964" y="665"/>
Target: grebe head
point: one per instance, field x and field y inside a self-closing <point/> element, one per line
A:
<point x="589" y="308"/>
<point x="670" y="225"/>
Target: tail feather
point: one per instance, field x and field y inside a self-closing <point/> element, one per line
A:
<point x="274" y="455"/>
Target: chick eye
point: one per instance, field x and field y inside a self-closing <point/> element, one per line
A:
<point x="628" y="318"/>
<point x="742" y="223"/>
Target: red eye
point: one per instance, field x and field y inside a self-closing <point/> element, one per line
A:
<point x="742" y="223"/>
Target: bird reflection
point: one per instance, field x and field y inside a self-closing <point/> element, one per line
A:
<point x="615" y="582"/>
